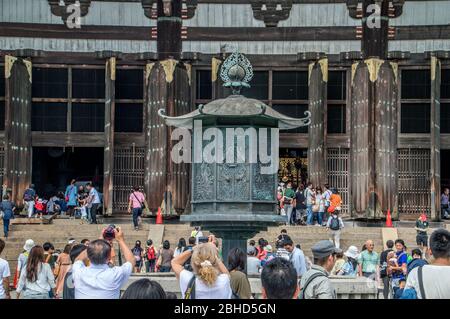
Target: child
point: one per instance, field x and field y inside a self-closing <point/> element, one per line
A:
<point x="321" y="205"/>
<point x="39" y="206"/>
<point x="7" y="211"/>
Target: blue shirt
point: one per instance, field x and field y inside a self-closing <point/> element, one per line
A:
<point x="71" y="192"/>
<point x="95" y="197"/>
<point x="7" y="208"/>
<point x="348" y="269"/>
<point x="402" y="257"/>
<point x="297" y="259"/>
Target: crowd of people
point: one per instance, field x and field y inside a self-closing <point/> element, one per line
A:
<point x="308" y="205"/>
<point x="89" y="269"/>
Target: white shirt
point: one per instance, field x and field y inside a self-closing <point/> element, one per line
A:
<point x="436" y="281"/>
<point x="220" y="290"/>
<point x="253" y="265"/>
<point x="4" y="273"/>
<point x="99" y="281"/>
<point x="95" y="199"/>
<point x="44" y="282"/>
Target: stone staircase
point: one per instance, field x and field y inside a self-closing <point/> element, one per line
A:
<point x="58" y="234"/>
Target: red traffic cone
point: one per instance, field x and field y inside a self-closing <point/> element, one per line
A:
<point x="388" y="219"/>
<point x="159" y="219"/>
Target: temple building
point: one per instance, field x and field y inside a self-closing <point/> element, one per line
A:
<point x="82" y="83"/>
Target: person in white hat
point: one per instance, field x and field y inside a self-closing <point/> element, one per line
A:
<point x="350" y="268"/>
<point x="23" y="257"/>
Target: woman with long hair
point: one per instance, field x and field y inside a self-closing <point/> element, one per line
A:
<point x="180" y="247"/>
<point x="138" y="253"/>
<point x="62" y="266"/>
<point x="36" y="279"/>
<point x="238" y="279"/>
<point x="210" y="278"/>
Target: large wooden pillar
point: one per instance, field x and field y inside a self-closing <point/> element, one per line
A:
<point x="108" y="171"/>
<point x="17" y="176"/>
<point x="318" y="78"/>
<point x="435" y="131"/>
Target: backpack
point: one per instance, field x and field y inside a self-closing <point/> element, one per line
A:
<point x="335" y="224"/>
<point x="310" y="279"/>
<point x="151" y="253"/>
<point x="28" y="195"/>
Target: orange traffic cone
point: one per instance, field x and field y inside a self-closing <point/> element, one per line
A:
<point x="388" y="219"/>
<point x="159" y="219"/>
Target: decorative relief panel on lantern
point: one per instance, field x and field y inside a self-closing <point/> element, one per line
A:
<point x="204" y="176"/>
<point x="263" y="184"/>
<point x="233" y="182"/>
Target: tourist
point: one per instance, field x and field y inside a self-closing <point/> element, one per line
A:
<point x="445" y="209"/>
<point x="253" y="263"/>
<point x="39" y="206"/>
<point x="279" y="280"/>
<point x="350" y="267"/>
<point x="85" y="242"/>
<point x="4" y="275"/>
<point x="52" y="205"/>
<point x="61" y="202"/>
<point x="252" y="243"/>
<point x="144" y="289"/>
<point x="422" y="237"/>
<point x="82" y="202"/>
<point x="7" y="209"/>
<point x="385" y="277"/>
<point x="319" y="206"/>
<point x="369" y="262"/>
<point x="23" y="257"/>
<point x="191" y="244"/>
<point x="340" y="261"/>
<point x="197" y="233"/>
<point x="68" y="287"/>
<point x="93" y="201"/>
<point x="136" y="202"/>
<point x="269" y="255"/>
<point x="150" y="254"/>
<point x="401" y="287"/>
<point x="315" y="283"/>
<point x="281" y="238"/>
<point x="334" y="226"/>
<point x="327" y="201"/>
<point x="100" y="280"/>
<point x="335" y="202"/>
<point x="261" y="252"/>
<point x="138" y="254"/>
<point x="210" y="278"/>
<point x="71" y="198"/>
<point x="181" y="247"/>
<point x="417" y="260"/>
<point x="435" y="283"/>
<point x="399" y="270"/>
<point x="63" y="264"/>
<point x="28" y="199"/>
<point x="238" y="280"/>
<point x="36" y="278"/>
<point x="309" y="194"/>
<point x="288" y="201"/>
<point x="165" y="257"/>
<point x="49" y="258"/>
<point x="300" y="205"/>
<point x="296" y="257"/>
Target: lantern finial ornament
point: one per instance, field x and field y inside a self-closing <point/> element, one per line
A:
<point x="236" y="72"/>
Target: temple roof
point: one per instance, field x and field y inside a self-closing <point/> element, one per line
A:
<point x="236" y="106"/>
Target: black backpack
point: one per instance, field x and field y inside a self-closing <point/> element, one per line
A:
<point x="334" y="224"/>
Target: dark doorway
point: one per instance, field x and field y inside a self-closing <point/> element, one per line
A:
<point x="445" y="169"/>
<point x="54" y="167"/>
<point x="293" y="165"/>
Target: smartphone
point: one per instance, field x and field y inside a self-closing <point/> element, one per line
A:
<point x="202" y="240"/>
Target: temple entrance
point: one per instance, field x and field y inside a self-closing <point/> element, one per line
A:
<point x="54" y="167"/>
<point x="293" y="165"/>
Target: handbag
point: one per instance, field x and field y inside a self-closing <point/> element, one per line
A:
<point x="315" y="208"/>
<point x="57" y="269"/>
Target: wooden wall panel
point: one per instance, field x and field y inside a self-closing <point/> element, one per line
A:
<point x="318" y="78"/>
<point x="435" y="132"/>
<point x="17" y="160"/>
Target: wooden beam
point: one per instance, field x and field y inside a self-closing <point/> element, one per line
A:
<point x="435" y="144"/>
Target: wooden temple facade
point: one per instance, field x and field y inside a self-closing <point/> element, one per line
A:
<point x="379" y="96"/>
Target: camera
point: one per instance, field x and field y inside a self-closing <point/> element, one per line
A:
<point x="202" y="240"/>
<point x="109" y="233"/>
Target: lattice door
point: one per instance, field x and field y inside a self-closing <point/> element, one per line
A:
<point x="2" y="166"/>
<point x="128" y="172"/>
<point x="337" y="166"/>
<point x="414" y="181"/>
